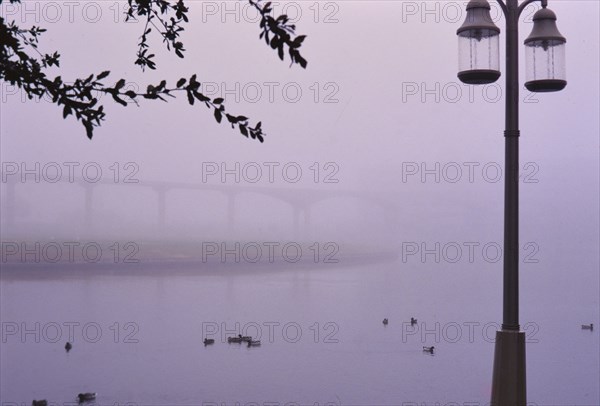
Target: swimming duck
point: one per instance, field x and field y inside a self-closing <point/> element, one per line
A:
<point x="428" y="349"/>
<point x="413" y="321"/>
<point x="385" y="321"/>
<point x="254" y="343"/>
<point x="587" y="327"/>
<point x="68" y="346"/>
<point x="86" y="397"/>
<point x="209" y="341"/>
<point x="42" y="402"/>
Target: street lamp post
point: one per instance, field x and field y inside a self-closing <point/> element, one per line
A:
<point x="479" y="57"/>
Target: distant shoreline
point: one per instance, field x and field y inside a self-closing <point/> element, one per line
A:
<point x="186" y="257"/>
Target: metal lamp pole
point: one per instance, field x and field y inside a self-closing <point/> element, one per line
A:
<point x="509" y="376"/>
<point x="479" y="64"/>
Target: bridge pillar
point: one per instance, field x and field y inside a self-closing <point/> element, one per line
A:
<point x="307" y="221"/>
<point x="88" y="209"/>
<point x="230" y="213"/>
<point x="162" y="207"/>
<point x="303" y="232"/>
<point x="296" y="229"/>
<point x="9" y="210"/>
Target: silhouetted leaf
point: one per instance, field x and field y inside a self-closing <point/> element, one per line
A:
<point x="76" y="98"/>
<point x="201" y="97"/>
<point x="119" y="100"/>
<point x="301" y="61"/>
<point x="298" y="41"/>
<point x="89" y="129"/>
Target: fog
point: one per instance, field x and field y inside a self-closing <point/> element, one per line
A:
<point x="377" y="160"/>
<point x="375" y="144"/>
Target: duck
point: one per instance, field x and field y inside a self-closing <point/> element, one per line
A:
<point x="587" y="327"/>
<point x="428" y="349"/>
<point x="68" y="346"/>
<point x="86" y="397"/>
<point x="209" y="341"/>
<point x="234" y="339"/>
<point x="413" y="321"/>
<point x="42" y="402"/>
<point x="254" y="343"/>
<point x="385" y="321"/>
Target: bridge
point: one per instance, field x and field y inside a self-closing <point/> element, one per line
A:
<point x="300" y="199"/>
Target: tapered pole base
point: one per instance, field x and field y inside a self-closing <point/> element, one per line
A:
<point x="508" y="381"/>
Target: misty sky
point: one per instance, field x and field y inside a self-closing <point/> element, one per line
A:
<point x="394" y="153"/>
<point x="388" y="71"/>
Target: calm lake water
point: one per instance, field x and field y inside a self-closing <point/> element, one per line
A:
<point x="137" y="335"/>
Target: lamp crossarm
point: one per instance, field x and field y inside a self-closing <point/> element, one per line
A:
<point x="528" y="2"/>
<point x="504" y="7"/>
<point x="522" y="6"/>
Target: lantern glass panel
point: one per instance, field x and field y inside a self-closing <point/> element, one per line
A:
<point x="478" y="49"/>
<point x="545" y="59"/>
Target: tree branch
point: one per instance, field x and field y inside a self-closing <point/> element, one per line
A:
<point x="26" y="72"/>
<point x="20" y="69"/>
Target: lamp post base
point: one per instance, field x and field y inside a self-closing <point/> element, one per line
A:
<point x="508" y="381"/>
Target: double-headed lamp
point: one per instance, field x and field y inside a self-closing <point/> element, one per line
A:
<point x="478" y="46"/>
<point x="545" y="54"/>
